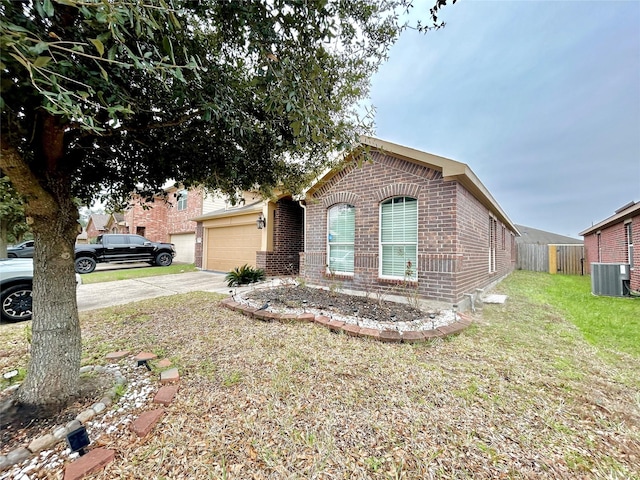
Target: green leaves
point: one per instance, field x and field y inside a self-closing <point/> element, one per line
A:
<point x="41" y="61"/>
<point x="230" y="94"/>
<point x="98" y="44"/>
<point x="44" y="8"/>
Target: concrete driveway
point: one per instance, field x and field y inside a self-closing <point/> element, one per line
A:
<point x="120" y="292"/>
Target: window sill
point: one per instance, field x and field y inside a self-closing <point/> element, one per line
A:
<point x="338" y="276"/>
<point x="398" y="281"/>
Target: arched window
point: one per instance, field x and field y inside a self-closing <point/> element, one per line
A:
<point x="399" y="238"/>
<point x="341" y="228"/>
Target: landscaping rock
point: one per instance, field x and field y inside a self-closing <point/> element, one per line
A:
<point x="42" y="443"/>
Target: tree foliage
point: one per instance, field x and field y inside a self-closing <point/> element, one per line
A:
<point x="13" y="223"/>
<point x="258" y="92"/>
<point x="101" y="98"/>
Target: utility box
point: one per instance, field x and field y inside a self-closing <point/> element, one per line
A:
<point x="610" y="279"/>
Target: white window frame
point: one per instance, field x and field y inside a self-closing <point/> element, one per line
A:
<point x="381" y="244"/>
<point x="329" y="270"/>
<point x="182" y="200"/>
<point x="628" y="238"/>
<point x="493" y="244"/>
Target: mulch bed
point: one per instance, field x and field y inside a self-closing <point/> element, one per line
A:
<point x="335" y="302"/>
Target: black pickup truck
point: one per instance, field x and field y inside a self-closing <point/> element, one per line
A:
<point x="114" y="248"/>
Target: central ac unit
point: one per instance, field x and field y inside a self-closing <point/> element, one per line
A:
<point x="610" y="279"/>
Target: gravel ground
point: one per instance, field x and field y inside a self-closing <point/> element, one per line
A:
<point x="112" y="424"/>
<point x="363" y="311"/>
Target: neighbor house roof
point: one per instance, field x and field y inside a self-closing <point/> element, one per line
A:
<point x="451" y="171"/>
<point x="99" y="220"/>
<point x="629" y="210"/>
<point x="541" y="237"/>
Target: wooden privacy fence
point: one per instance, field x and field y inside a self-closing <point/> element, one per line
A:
<point x="566" y="259"/>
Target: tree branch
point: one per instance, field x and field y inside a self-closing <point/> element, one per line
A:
<point x="22" y="178"/>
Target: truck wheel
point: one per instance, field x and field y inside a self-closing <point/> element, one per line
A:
<point x="164" y="259"/>
<point x="85" y="265"/>
<point x="16" y="303"/>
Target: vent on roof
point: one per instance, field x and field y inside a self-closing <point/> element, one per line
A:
<point x="610" y="279"/>
<point x="624" y="207"/>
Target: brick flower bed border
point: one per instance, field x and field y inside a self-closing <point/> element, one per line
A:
<point x="391" y="336"/>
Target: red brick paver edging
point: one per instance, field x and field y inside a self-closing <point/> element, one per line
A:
<point x="93" y="461"/>
<point x="463" y="321"/>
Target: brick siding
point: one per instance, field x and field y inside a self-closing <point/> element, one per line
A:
<point x="453" y="229"/>
<point x="161" y="219"/>
<point x="288" y="240"/>
<point x="199" y="245"/>
<point x="613" y="247"/>
<point x="149" y="221"/>
<point x="93" y="232"/>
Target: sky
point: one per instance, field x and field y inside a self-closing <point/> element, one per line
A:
<point x="540" y="98"/>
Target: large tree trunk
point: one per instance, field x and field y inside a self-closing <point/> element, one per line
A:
<point x="56" y="346"/>
<point x="3" y="238"/>
<point x="53" y="373"/>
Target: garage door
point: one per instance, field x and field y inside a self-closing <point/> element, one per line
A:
<point x="185" y="247"/>
<point x="232" y="246"/>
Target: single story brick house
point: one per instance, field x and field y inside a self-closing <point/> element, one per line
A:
<point x="386" y="215"/>
<point x="390" y="214"/>
<point x="611" y="241"/>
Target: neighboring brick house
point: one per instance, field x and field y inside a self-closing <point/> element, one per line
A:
<point x="399" y="216"/>
<point x="116" y="224"/>
<point x="170" y="220"/>
<point x="611" y="241"/>
<point x="97" y="225"/>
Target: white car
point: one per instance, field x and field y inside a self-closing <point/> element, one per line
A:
<point x="16" y="280"/>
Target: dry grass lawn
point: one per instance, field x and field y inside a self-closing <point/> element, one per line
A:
<point x="519" y="394"/>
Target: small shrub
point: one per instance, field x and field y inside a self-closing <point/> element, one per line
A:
<point x="244" y="275"/>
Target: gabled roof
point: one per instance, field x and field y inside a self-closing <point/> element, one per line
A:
<point x="629" y="210"/>
<point x="451" y="171"/>
<point x="99" y="220"/>
<point x="541" y="237"/>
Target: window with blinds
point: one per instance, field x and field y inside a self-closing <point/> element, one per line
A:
<point x="399" y="238"/>
<point x="341" y="234"/>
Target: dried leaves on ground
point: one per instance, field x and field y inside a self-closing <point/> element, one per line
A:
<point x="518" y="395"/>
